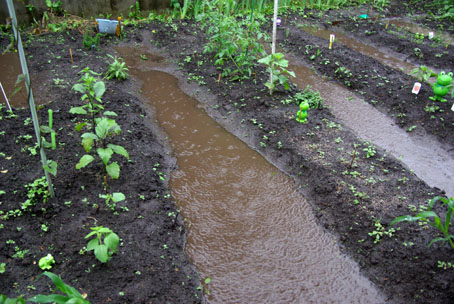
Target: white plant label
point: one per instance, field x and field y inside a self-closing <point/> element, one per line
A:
<point x="416" y="88"/>
<point x="431" y="35"/>
<point x="278" y="21"/>
<point x="452" y="108"/>
<point x="331" y="38"/>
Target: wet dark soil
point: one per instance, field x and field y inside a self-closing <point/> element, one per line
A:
<point x="352" y="192"/>
<point x="150" y="265"/>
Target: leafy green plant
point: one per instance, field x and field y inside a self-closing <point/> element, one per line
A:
<point x="425" y="216"/>
<point x="423" y="73"/>
<point x="105" y="128"/>
<point x="37" y="191"/>
<point x="54" y="7"/>
<point x="89" y="41"/>
<point x="92" y="89"/>
<point x="46" y="262"/>
<point x="2" y="268"/>
<point x="115" y="197"/>
<point x="117" y="69"/>
<point x="134" y="11"/>
<point x="104" y="244"/>
<point x="178" y="9"/>
<point x="70" y="294"/>
<point x="276" y="64"/>
<point x="233" y="40"/>
<point x="312" y="97"/>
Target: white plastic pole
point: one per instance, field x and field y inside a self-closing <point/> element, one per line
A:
<point x="6" y="98"/>
<point x="273" y="43"/>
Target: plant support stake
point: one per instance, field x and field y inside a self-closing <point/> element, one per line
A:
<point x="273" y="44"/>
<point x="6" y="98"/>
<point x="31" y="102"/>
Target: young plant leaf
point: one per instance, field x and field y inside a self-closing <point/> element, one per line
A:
<point x="113" y="170"/>
<point x="105" y="154"/>
<point x="101" y="253"/>
<point x="119" y="150"/>
<point x="112" y="240"/>
<point x="84" y="161"/>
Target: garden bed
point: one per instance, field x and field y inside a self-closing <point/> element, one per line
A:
<point x="354" y="187"/>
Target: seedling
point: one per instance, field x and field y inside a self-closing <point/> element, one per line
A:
<point x="104" y="244"/>
<point x="105" y="127"/>
<point x="117" y="69"/>
<point x="437" y="223"/>
<point x="277" y="65"/>
<point x="114" y="197"/>
<point x="92" y="89"/>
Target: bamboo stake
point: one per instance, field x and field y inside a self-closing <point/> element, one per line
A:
<point x="71" y="55"/>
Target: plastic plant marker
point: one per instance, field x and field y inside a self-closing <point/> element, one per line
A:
<point x="331" y="40"/>
<point x="452" y="108"/>
<point x="363" y="16"/>
<point x="278" y="21"/>
<point x="431" y="35"/>
<point x="416" y="88"/>
<point x="387" y="24"/>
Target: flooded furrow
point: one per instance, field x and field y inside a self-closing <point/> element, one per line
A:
<point x="11" y="69"/>
<point x="250" y="230"/>
<point x="430" y="160"/>
<point x="415" y="28"/>
<point x="391" y="60"/>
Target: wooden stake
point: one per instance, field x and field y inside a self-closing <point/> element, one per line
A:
<point x="353" y="158"/>
<point x="71" y="55"/>
<point x="219" y="79"/>
<point x="376" y="19"/>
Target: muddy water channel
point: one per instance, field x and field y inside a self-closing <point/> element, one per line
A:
<point x="415" y="28"/>
<point x="250" y="230"/>
<point x="391" y="60"/>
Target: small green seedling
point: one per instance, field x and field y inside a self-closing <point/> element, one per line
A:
<point x="437" y="222"/>
<point x="104" y="245"/>
<point x="45" y="263"/>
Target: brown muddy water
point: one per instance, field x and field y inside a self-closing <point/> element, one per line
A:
<point x="391" y="60"/>
<point x="250" y="230"/>
<point x="430" y="160"/>
<point x="10" y="69"/>
<point x="415" y="28"/>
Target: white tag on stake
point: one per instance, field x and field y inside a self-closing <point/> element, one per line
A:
<point x="452" y="108"/>
<point x="416" y="88"/>
<point x="431" y="35"/>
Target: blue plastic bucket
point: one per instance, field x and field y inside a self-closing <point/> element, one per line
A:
<point x="107" y="26"/>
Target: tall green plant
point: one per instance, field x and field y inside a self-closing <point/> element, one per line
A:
<point x="278" y="66"/>
<point x="237" y="42"/>
<point x="437" y="223"/>
<point x="92" y="89"/>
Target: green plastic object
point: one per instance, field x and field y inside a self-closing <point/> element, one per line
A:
<point x="442" y="86"/>
<point x="364" y="16"/>
<point x="45" y="263"/>
<point x="301" y="116"/>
